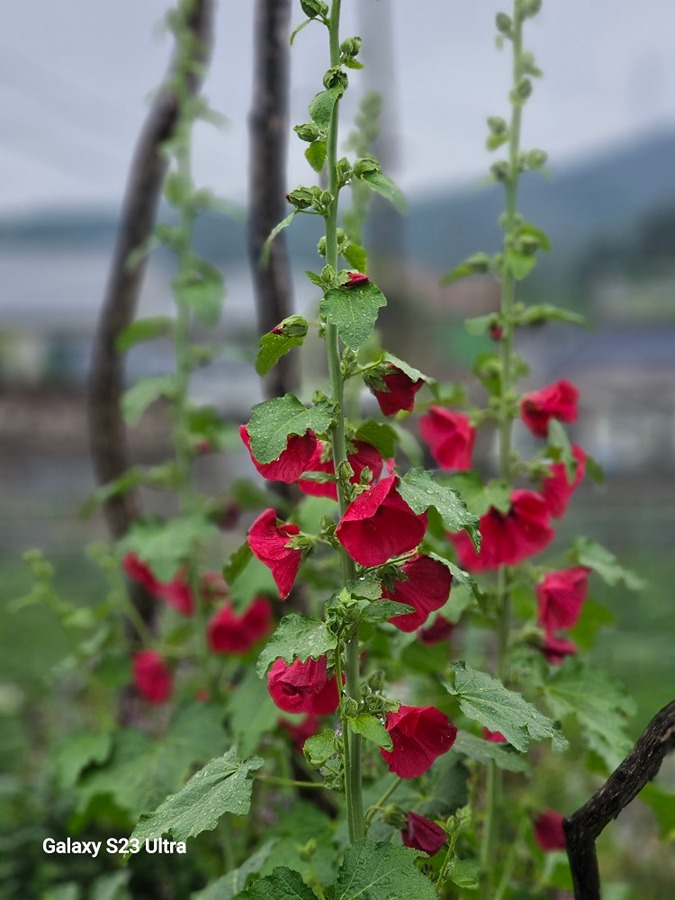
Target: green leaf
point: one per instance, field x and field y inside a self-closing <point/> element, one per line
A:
<point x="477" y="495"/>
<point x="165" y="545"/>
<point x="380" y="434"/>
<point x="380" y="871"/>
<point x="599" y="703"/>
<point x="144" y="330"/>
<point x="237" y="562"/>
<point x="319" y="748"/>
<point x="282" y="884"/>
<point x="662" y="804"/>
<point x="380" y="610"/>
<point x="386" y="188"/>
<point x="316" y="155"/>
<point x="357" y="257"/>
<point x="420" y="491"/>
<point x="465" y="873"/>
<point x="252" y="712"/>
<point x="485" y="700"/>
<point x="201" y="289"/>
<point x="480" y="325"/>
<point x="412" y="373"/>
<point x="353" y="311"/>
<point x="78" y="752"/>
<point x="297" y="637"/>
<point x="368" y="587"/>
<point x="267" y="246"/>
<point x="322" y="106"/>
<point x="222" y="786"/>
<point x="409" y="444"/>
<point x="545" y="312"/>
<point x="372" y="730"/>
<point x="297" y="30"/>
<point x="137" y="398"/>
<point x="273" y="421"/>
<point x="473" y="265"/>
<point x="274" y="346"/>
<point x="487" y="751"/>
<point x="142" y="771"/>
<point x="558" y="440"/>
<point x="586" y="552"/>
<point x="231" y="885"/>
<point x="519" y="264"/>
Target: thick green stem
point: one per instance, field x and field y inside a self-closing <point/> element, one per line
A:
<point x="352" y="758"/>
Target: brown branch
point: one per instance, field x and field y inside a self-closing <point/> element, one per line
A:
<point x="583" y="827"/>
<point x="268" y="124"/>
<point x="107" y="431"/>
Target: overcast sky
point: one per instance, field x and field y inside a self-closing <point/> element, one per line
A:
<point x="75" y="75"/>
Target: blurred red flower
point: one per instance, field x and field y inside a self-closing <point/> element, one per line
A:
<point x="560" y="597"/>
<point x="303" y="730"/>
<point x="555" y="401"/>
<point x="303" y="686"/>
<point x="555" y="649"/>
<point x="152" y="677"/>
<point x="440" y="630"/>
<point x="548" y="831"/>
<point x="556" y="489"/>
<point x="293" y="460"/>
<point x="495" y="737"/>
<point x="422" y="834"/>
<point x="267" y="540"/>
<point x="426" y="588"/>
<point x="419" y="734"/>
<point x="228" y="632"/>
<point x="364" y="456"/>
<point x="450" y="437"/>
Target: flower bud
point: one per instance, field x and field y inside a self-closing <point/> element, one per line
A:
<point x="500" y="170"/>
<point x="523" y="89"/>
<point x="496" y="124"/>
<point x="366" y="165"/>
<point x="394" y="815"/>
<point x="307" y="851"/>
<point x="530" y="8"/>
<point x="314" y="8"/>
<point x="308" y="132"/>
<point x="503" y="23"/>
<point x="335" y="78"/>
<point x="536" y="159"/>
<point x="343" y="169"/>
<point x="293" y="326"/>
<point x="300" y="198"/>
<point x="376" y="680"/>
<point x="350" y="48"/>
<point x="350" y="707"/>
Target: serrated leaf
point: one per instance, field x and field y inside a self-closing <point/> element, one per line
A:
<point x="222" y="786"/>
<point x="144" y="330"/>
<point x="316" y="155"/>
<point x="274" y="346"/>
<point x="137" y="398"/>
<point x="412" y="373"/>
<point x="322" y="106"/>
<point x="519" y="264"/>
<point x="380" y="871"/>
<point x="372" y="730"/>
<point x="78" y="752"/>
<point x="420" y="491"/>
<point x="273" y="421"/>
<point x="267" y="246"/>
<point x="367" y="588"/>
<point x="380" y="434"/>
<point x="459" y="576"/>
<point x="465" y="873"/>
<point x="282" y="884"/>
<point x="473" y="265"/>
<point x="296" y="637"/>
<point x="487" y="751"/>
<point x="231" y="885"/>
<point x="353" y="311"/>
<point x="237" y="562"/>
<point x="319" y="748"/>
<point x="357" y="257"/>
<point x="379" y="610"/>
<point x="586" y="552"/>
<point x="164" y="545"/>
<point x="545" y="312"/>
<point x="599" y="703"/>
<point x="480" y="325"/>
<point x="484" y="699"/>
<point x="386" y="188"/>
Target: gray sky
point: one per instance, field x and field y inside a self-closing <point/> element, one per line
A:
<point x="75" y="74"/>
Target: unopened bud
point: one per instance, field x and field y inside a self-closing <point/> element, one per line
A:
<point x="366" y="165"/>
<point x="300" y="198"/>
<point x="536" y="159"/>
<point x="308" y="132"/>
<point x="530" y="8"/>
<point x="350" y="707"/>
<point x="314" y="8"/>
<point x="350" y="48"/>
<point x="335" y="78"/>
<point x="496" y="124"/>
<point x="523" y="89"/>
<point x="500" y="170"/>
<point x="376" y="680"/>
<point x="503" y="23"/>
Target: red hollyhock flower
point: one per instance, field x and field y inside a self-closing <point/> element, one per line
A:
<point x="560" y="597"/>
<point x="422" y="834"/>
<point x="267" y="540"/>
<point x="137" y="570"/>
<point x="293" y="460"/>
<point x="228" y="632"/>
<point x="555" y="401"/>
<point x="213" y="587"/>
<point x="555" y="649"/>
<point x="152" y="677"/>
<point x="356" y="278"/>
<point x="556" y="489"/>
<point x="303" y="730"/>
<point x="495" y="737"/>
<point x="548" y="831"/>
<point x="303" y="687"/>
<point x="425" y="588"/>
<point x="364" y="456"/>
<point x="450" y="437"/>
<point x="177" y="594"/>
<point x="379" y="524"/>
<point x="419" y="734"/>
<point x="400" y="392"/>
<point x="507" y="538"/>
<point x="439" y="631"/>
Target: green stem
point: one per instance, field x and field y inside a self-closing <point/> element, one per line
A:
<point x="383" y="799"/>
<point x="352" y="742"/>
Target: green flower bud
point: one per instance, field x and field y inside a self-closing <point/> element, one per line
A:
<point x="500" y="170"/>
<point x="366" y="165"/>
<point x="314" y="8"/>
<point x="293" y="326"/>
<point x="335" y="78"/>
<point x="377" y="680"/>
<point x="394" y="815"/>
<point x="350" y="707"/>
<point x="523" y="89"/>
<point x="530" y="8"/>
<point x="309" y="132"/>
<point x="301" y="198"/>
<point x="496" y="124"/>
<point x="350" y="48"/>
<point x="343" y="169"/>
<point x="321" y="246"/>
<point x="536" y="159"/>
<point x="528" y="244"/>
<point x="307" y="851"/>
<point x="504" y="23"/>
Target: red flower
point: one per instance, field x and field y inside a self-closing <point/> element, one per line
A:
<point x="228" y="632"/>
<point x="177" y="594"/>
<point x="303" y="730"/>
<point x="293" y="460"/>
<point x="548" y="831"/>
<point x="152" y="677"/>
<point x="267" y="540"/>
<point x="450" y="437"/>
<point x="364" y="456"/>
<point x="303" y="687"/>
<point x="356" y="278"/>
<point x="556" y="489"/>
<point x="495" y="737"/>
<point x="507" y="538"/>
<point x="400" y="391"/>
<point x="496" y="332"/>
<point x="419" y="734"/>
<point x="422" y="834"/>
<point x="555" y="401"/>
<point x="440" y="630"/>
<point x="379" y="524"/>
<point x="213" y="587"/>
<point x="560" y="597"/>
<point x="137" y="570"/>
<point x="425" y="588"/>
<point x="555" y="649"/>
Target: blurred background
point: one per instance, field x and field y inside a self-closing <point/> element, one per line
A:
<point x="74" y="83"/>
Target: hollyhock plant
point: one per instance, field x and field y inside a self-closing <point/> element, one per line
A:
<point x="556" y="489"/>
<point x="560" y="598"/>
<point x="303" y="686"/>
<point x="548" y="831"/>
<point x="379" y="524"/>
<point x="419" y="734"/>
<point x="422" y="834"/>
<point x="228" y="632"/>
<point x="268" y="540"/>
<point x="152" y="677"/>
<point x="507" y="538"/>
<point x="441" y="629"/>
<point x="426" y="587"/>
<point x="495" y="737"/>
<point x="293" y="460"/>
<point x="364" y="456"/>
<point x="555" y="649"/>
<point x="555" y="401"/>
<point x="450" y="437"/>
<point x="399" y="392"/>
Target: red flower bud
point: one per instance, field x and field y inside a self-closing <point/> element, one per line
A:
<point x="440" y="630"/>
<point x="495" y="737"/>
<point x="556" y="401"/>
<point x="419" y="734"/>
<point x="400" y="391"/>
<point x="356" y="278"/>
<point x="152" y="677"/>
<point x="268" y="541"/>
<point x="548" y="831"/>
<point x="303" y="687"/>
<point x="496" y="332"/>
<point x="228" y="632"/>
<point x="556" y="489"/>
<point x="560" y="597"/>
<point x="426" y="588"/>
<point x="555" y="649"/>
<point x="450" y="437"/>
<point x="422" y="834"/>
<point x="177" y="594"/>
<point x="379" y="524"/>
<point x="293" y="460"/>
<point x="137" y="570"/>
